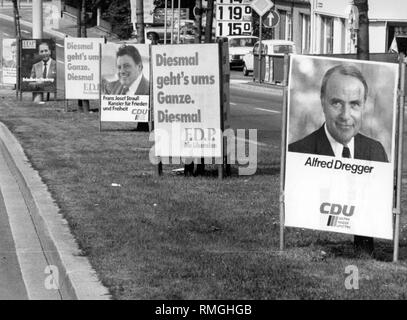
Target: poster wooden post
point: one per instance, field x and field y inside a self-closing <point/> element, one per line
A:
<point x="397" y="209"/>
<point x="283" y="153"/>
<point x="100" y="89"/>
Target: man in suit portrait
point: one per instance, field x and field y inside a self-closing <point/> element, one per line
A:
<point x="12" y="62"/>
<point x="343" y="96"/>
<point x="45" y="70"/>
<point x="130" y="72"/>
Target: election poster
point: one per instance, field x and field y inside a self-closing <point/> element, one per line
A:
<point x="38" y="72"/>
<point x="125" y="84"/>
<point x="9" y="61"/>
<point x="340" y="149"/>
<point x="82" y="66"/>
<point x="186" y="82"/>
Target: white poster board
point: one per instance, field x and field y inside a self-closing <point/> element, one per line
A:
<point x="82" y="65"/>
<point x="9" y="61"/>
<point x="186" y="95"/>
<point x="324" y="188"/>
<point x="125" y="87"/>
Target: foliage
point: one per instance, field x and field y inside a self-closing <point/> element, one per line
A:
<point x="266" y="33"/>
<point x="118" y="13"/>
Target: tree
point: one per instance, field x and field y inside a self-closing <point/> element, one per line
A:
<point x="118" y="13"/>
<point x="363" y="243"/>
<point x="363" y="34"/>
<point x="266" y="33"/>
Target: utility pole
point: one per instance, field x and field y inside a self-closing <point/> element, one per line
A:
<point x="209" y="22"/>
<point x="37" y="19"/>
<point x="198" y="21"/>
<point x="140" y="21"/>
<point x="364" y="244"/>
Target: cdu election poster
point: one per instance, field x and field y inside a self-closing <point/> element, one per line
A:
<point x="38" y="65"/>
<point x="340" y="149"/>
<point x="82" y="64"/>
<point x="9" y="61"/>
<point x="125" y="84"/>
<point x="187" y="113"/>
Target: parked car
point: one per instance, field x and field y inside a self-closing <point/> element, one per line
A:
<point x="238" y="47"/>
<point x="269" y="47"/>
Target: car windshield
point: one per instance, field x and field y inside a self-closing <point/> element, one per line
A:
<point x="242" y="42"/>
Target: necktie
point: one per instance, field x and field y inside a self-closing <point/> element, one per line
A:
<point x="125" y="90"/>
<point x="44" y="74"/>
<point x="345" y="152"/>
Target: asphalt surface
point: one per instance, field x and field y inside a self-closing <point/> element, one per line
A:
<point x="11" y="282"/>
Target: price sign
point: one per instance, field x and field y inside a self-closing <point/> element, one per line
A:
<point x="232" y="1"/>
<point x="231" y="28"/>
<point x="233" y="17"/>
<point x="235" y="13"/>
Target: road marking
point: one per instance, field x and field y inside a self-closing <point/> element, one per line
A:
<point x="267" y="110"/>
<point x="239" y="81"/>
<point x="6" y="34"/>
<point x="60" y="61"/>
<point x="252" y="142"/>
<point x="25" y="31"/>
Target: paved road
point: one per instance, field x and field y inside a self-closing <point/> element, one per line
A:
<point x="11" y="282"/>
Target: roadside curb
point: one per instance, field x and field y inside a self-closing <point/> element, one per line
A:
<point x="259" y="88"/>
<point x="76" y="275"/>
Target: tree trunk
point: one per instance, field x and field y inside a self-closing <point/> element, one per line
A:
<point x="83" y="105"/>
<point x="209" y="21"/>
<point x="140" y="21"/>
<point x="16" y="20"/>
<point x="363" y="34"/>
<point x="363" y="244"/>
<point x="198" y="21"/>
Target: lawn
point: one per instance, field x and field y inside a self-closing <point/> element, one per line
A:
<point x="176" y="237"/>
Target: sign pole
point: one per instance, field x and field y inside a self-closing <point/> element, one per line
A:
<point x="260" y="49"/>
<point x="165" y="22"/>
<point x="397" y="210"/>
<point x="283" y="154"/>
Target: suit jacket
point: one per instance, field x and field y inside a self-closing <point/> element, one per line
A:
<point x="36" y="71"/>
<point x="116" y="87"/>
<point x="317" y="143"/>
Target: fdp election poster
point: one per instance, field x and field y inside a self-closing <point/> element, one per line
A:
<point x="38" y="65"/>
<point x="9" y="61"/>
<point x="82" y="64"/>
<point x="125" y="82"/>
<point x="187" y="100"/>
<point x="341" y="145"/>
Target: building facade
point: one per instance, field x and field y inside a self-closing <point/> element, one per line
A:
<point x="330" y="27"/>
<point x="295" y="23"/>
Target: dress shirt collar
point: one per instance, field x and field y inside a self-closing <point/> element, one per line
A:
<point x="134" y="86"/>
<point x="338" y="147"/>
